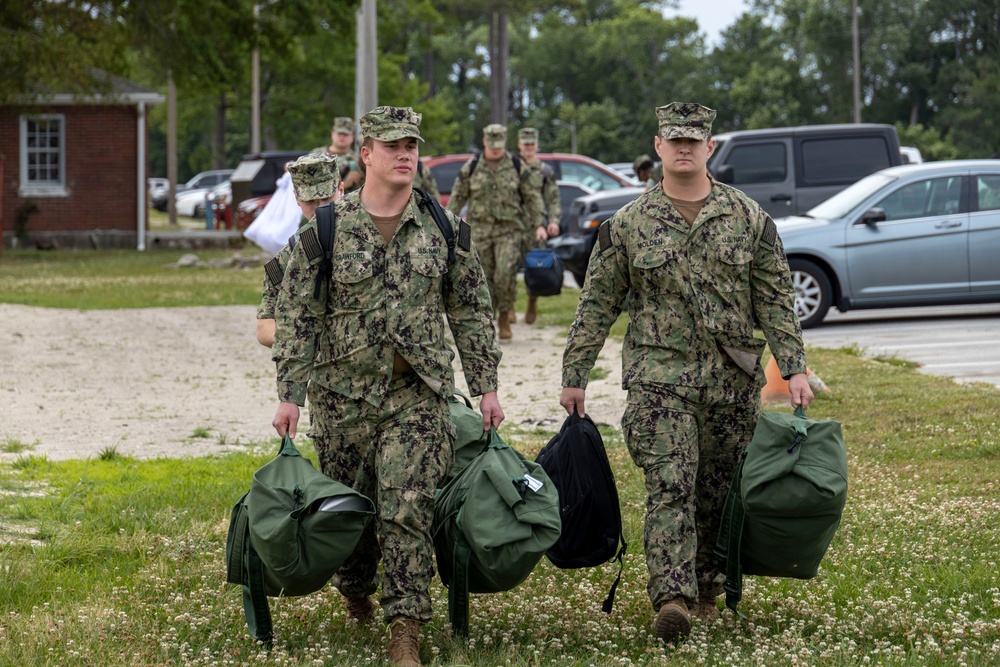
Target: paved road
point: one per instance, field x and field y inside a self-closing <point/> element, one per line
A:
<point x="962" y="342"/>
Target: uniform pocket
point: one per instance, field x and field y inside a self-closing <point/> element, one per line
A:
<point x="734" y="268"/>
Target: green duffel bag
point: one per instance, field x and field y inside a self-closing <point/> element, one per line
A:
<point x="785" y="502"/>
<point x="492" y="524"/>
<point x="290" y="533"/>
<point x="470" y="438"/>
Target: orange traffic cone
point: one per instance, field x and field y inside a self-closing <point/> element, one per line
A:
<point x="776" y="388"/>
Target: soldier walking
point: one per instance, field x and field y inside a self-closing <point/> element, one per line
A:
<point x="698" y="264"/>
<point x="545" y="179"/>
<point x="503" y="201"/>
<point x="316" y="180"/>
<point x="342" y="147"/>
<point x="363" y="336"/>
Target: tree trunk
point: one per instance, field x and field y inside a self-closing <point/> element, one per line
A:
<point x="429" y="64"/>
<point x="219" y="134"/>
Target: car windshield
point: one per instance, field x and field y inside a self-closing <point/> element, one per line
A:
<point x="847" y="200"/>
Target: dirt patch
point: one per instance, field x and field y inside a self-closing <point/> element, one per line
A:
<point x="156" y="382"/>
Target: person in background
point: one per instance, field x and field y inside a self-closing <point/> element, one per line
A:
<point x="503" y="200"/>
<point x="363" y="336"/>
<point x="545" y="178"/>
<point x="316" y="181"/>
<point x="342" y="147"/>
<point x="698" y="265"/>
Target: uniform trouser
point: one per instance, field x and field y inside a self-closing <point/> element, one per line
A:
<point x="688" y="442"/>
<point x="395" y="453"/>
<point x="500" y="255"/>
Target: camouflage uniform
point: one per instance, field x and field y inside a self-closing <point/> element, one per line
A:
<point x="345" y="125"/>
<point x="382" y="430"/>
<point x="315" y="177"/>
<point x="690" y="359"/>
<point x="544" y="178"/>
<point x="424" y="180"/>
<point x="501" y="203"/>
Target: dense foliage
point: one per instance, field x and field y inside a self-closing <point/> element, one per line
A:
<point x="600" y="66"/>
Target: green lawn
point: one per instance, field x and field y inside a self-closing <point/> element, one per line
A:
<point x="114" y="561"/>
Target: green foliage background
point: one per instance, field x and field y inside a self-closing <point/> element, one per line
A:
<point x="929" y="66"/>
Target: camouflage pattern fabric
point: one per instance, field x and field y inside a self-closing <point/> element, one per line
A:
<point x="685" y="120"/>
<point x="397" y="452"/>
<point x="695" y="290"/>
<point x="502" y="204"/>
<point x="391" y="124"/>
<point x="424" y="180"/>
<point x="382" y="299"/>
<point x="343" y="124"/>
<point x="314" y="176"/>
<point x="269" y="290"/>
<point x="694" y="294"/>
<point x="688" y="444"/>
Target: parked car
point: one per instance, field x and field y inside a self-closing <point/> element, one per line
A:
<point x="206" y="179"/>
<point x="911" y="155"/>
<point x="785" y="170"/>
<point x="191" y="203"/>
<point x="578" y="227"/>
<point x="567" y="167"/>
<point x="624" y="168"/>
<point x="788" y="170"/>
<point x="248" y="210"/>
<point x="915" y="235"/>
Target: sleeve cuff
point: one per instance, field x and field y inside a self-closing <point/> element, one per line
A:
<point x="575" y="378"/>
<point x="292" y="392"/>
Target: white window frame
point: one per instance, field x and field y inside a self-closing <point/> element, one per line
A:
<point x="42" y="188"/>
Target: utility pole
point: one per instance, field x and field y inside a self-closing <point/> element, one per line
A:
<point x="366" y="60"/>
<point x="856" y="56"/>
<point x="172" y="149"/>
<point x="255" y="86"/>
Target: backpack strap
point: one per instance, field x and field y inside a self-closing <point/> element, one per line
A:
<point x="727" y="549"/>
<point x="326" y="223"/>
<point x="429" y="204"/>
<point x="609" y="602"/>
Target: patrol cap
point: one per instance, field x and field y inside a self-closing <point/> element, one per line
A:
<point x="685" y="119"/>
<point x="314" y="176"/>
<point x="343" y="124"/>
<point x="527" y="135"/>
<point x="495" y="135"/>
<point x="642" y="162"/>
<point x="391" y="124"/>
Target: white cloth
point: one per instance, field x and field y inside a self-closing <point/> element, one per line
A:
<point x="279" y="219"/>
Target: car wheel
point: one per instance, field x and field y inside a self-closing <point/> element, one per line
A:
<point x="199" y="211"/>
<point x="813" y="292"/>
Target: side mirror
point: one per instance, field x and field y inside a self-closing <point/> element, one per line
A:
<point x="873" y="216"/>
<point x="724" y="174"/>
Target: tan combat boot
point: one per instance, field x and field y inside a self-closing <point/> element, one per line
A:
<point x="672" y="621"/>
<point x="513" y="317"/>
<point x="361" y="610"/>
<point x="504" y="325"/>
<point x="404" y="642"/>
<point x="706" y="609"/>
<point x="532" y="312"/>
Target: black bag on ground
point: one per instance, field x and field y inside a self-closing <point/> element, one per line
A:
<point x="577" y="463"/>
<point x="543" y="272"/>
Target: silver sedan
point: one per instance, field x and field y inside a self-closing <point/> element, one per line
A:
<point x="915" y="235"/>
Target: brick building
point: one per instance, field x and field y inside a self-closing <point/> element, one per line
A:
<point x="73" y="169"/>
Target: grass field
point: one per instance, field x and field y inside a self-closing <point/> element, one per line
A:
<point x="114" y="561"/>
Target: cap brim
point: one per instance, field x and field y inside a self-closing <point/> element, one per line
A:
<point x="396" y="135"/>
<point x="674" y="132"/>
<point x="496" y="143"/>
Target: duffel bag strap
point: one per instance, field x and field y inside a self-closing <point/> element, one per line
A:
<point x="239" y="531"/>
<point x="458" y="589"/>
<point x="255" y="605"/>
<point x="609" y="602"/>
<point x="727" y="549"/>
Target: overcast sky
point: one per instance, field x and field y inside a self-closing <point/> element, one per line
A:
<point x="713" y="16"/>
